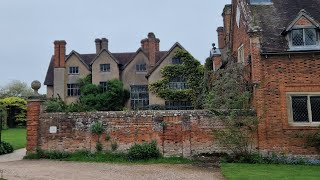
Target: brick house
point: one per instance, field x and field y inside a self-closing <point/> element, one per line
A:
<point x="135" y="69"/>
<point x="279" y="41"/>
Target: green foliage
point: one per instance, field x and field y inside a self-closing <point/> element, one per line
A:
<point x="114" y="146"/>
<point x="230" y="90"/>
<point x="5" y="148"/>
<point x="208" y="65"/>
<point x="107" y="137"/>
<point x="111" y="100"/>
<point x="18" y="104"/>
<point x="143" y="151"/>
<point x="99" y="147"/>
<point x="97" y="128"/>
<point x="192" y="70"/>
<point x="87" y="156"/>
<point x="231" y="93"/>
<point x="238" y="134"/>
<point x="314" y="140"/>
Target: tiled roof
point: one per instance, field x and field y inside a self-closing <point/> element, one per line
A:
<point x="123" y="59"/>
<point x="274" y="19"/>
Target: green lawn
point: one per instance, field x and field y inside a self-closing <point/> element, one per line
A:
<point x="16" y="137"/>
<point x="269" y="171"/>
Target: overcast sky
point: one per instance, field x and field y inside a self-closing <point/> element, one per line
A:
<point x="29" y="27"/>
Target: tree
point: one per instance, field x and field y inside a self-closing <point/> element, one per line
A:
<point x="231" y="93"/>
<point x="16" y="88"/>
<point x="15" y="108"/>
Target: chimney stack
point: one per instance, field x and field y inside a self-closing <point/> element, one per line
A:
<point x="98" y="45"/>
<point x="221" y="37"/>
<point x="227" y="23"/>
<point x="104" y="43"/>
<point x="151" y="45"/>
<point x="59" y="53"/>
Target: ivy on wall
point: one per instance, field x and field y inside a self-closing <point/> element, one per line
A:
<point x="190" y="69"/>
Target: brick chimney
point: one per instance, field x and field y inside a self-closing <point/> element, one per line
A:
<point x="227" y="23"/>
<point x="221" y="37"/>
<point x="151" y="45"/>
<point x="98" y="45"/>
<point x="59" y="54"/>
<point x="104" y="43"/>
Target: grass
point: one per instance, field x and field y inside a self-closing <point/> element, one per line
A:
<point x="16" y="137"/>
<point x="106" y="157"/>
<point x="269" y="171"/>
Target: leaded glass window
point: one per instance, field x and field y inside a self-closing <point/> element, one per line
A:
<point x="139" y="95"/>
<point x="73" y="90"/>
<point x="178" y="105"/>
<point x="74" y="70"/>
<point x="141" y="67"/>
<point x="178" y="83"/>
<point x="104" y="67"/>
<point x="104" y="86"/>
<point x="176" y="60"/>
<point x="305" y="108"/>
<point x="304" y="37"/>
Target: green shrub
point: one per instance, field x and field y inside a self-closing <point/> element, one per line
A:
<point x="314" y="140"/>
<point x="107" y="138"/>
<point x="144" y="151"/>
<point x="99" y="147"/>
<point x="114" y="146"/>
<point x="97" y="128"/>
<point x="5" y="148"/>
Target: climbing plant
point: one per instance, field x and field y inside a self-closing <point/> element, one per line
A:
<point x="191" y="70"/>
<point x="15" y="109"/>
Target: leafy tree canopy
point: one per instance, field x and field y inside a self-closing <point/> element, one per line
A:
<point x="16" y="88"/>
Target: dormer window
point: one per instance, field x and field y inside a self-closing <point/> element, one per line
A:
<point x="304" y="37"/>
<point x="303" y="33"/>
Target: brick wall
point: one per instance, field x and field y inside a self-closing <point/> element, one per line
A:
<point x="178" y="133"/>
<point x="280" y="75"/>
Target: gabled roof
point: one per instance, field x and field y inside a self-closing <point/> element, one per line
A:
<point x="104" y="50"/>
<point x="122" y="59"/>
<point x="301" y="14"/>
<point x="275" y="18"/>
<point x="73" y="52"/>
<point x="164" y="57"/>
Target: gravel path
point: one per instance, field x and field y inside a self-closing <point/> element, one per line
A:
<point x="15" y="156"/>
<point x="51" y="170"/>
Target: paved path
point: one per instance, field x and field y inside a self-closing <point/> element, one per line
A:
<point x="15" y="156"/>
<point x="51" y="170"/>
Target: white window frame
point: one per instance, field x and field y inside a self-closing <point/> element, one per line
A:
<point x="304" y="47"/>
<point x="73" y="90"/>
<point x="240" y="57"/>
<point x="73" y="70"/>
<point x="290" y="109"/>
<point x="106" y="69"/>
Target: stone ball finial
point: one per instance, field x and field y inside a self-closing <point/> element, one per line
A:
<point x="35" y="85"/>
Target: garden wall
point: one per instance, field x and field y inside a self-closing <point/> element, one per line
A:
<point x="178" y="133"/>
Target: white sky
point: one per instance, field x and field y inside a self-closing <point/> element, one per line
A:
<point x="29" y="27"/>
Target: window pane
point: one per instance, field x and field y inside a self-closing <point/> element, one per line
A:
<point x="297" y="37"/>
<point x="310" y="36"/>
<point x="300" y="108"/>
<point x="315" y="108"/>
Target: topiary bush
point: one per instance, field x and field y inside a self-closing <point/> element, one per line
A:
<point x="5" y="148"/>
<point x="144" y="151"/>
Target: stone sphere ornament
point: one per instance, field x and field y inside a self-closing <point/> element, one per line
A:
<point x="35" y="85"/>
